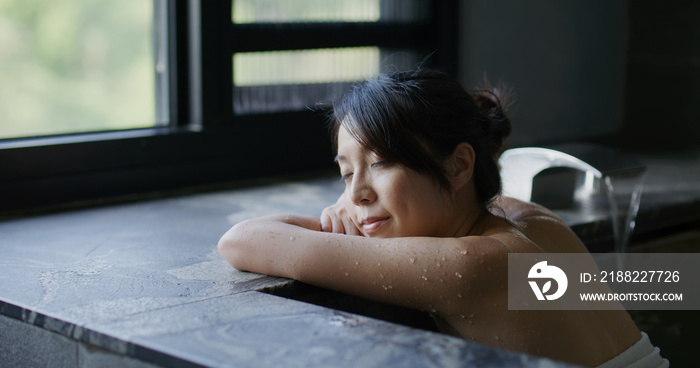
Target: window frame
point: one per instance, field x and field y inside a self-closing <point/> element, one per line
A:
<point x="205" y="143"/>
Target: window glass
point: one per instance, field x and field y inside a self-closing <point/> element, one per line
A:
<point x="283" y="11"/>
<point x="71" y="66"/>
<point x="305" y="66"/>
<point x="295" y="11"/>
<point x="276" y="81"/>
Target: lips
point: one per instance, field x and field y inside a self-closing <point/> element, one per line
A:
<point x="372" y="224"/>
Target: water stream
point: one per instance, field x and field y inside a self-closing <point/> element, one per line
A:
<point x="624" y="196"/>
<point x="610" y="181"/>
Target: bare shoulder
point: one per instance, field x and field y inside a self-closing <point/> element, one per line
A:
<point x="517" y="210"/>
<point x="538" y="224"/>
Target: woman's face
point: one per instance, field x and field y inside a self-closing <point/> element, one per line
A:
<point x="385" y="199"/>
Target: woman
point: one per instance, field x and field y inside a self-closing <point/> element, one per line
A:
<point x="420" y="223"/>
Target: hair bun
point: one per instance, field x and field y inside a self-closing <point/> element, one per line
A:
<point x="493" y="103"/>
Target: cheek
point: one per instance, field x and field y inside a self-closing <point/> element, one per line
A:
<point x="417" y="199"/>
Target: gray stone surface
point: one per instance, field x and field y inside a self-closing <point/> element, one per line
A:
<point x="24" y="345"/>
<point x="91" y="356"/>
<point x="142" y="283"/>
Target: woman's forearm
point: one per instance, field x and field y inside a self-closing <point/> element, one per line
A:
<point x="246" y="243"/>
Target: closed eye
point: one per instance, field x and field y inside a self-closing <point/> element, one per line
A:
<point x="345" y="177"/>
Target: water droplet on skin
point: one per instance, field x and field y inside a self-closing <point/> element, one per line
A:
<point x="459" y="295"/>
<point x="443" y="259"/>
<point x="291" y="238"/>
<point x="346" y="274"/>
<point x="463" y="251"/>
<point x="413" y="260"/>
<point x="357" y="263"/>
<point x="458" y="274"/>
<point x="497" y="339"/>
<point x="438" y="264"/>
<point x="390" y="287"/>
<point x="472" y="315"/>
<point x="381" y="276"/>
<point x="433" y="310"/>
<point x="425" y="270"/>
<point x="462" y="316"/>
<point x="441" y="280"/>
<point x="379" y="263"/>
<point x="424" y="277"/>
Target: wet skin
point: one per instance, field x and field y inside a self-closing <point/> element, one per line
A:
<point x="432" y="250"/>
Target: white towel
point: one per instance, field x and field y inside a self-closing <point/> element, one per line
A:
<point x="640" y="355"/>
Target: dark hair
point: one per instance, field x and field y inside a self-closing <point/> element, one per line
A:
<point x="417" y="118"/>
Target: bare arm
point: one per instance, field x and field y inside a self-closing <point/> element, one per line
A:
<point x="435" y="274"/>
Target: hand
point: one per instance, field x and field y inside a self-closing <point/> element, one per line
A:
<point x="335" y="219"/>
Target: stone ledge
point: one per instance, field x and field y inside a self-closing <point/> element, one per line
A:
<point x="142" y="284"/>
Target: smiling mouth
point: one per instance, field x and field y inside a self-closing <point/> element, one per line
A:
<point x="373" y="224"/>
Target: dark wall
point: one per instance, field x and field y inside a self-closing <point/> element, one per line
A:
<point x="662" y="105"/>
<point x="565" y="60"/>
<point x="622" y="73"/>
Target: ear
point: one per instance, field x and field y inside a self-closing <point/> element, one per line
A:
<point x="461" y="165"/>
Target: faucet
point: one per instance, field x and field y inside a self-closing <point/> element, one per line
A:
<point x="577" y="171"/>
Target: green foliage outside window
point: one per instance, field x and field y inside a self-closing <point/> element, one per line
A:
<point x="70" y="66"/>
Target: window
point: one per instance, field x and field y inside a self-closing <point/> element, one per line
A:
<point x="300" y="75"/>
<point x="73" y="66"/>
<point x="276" y="81"/>
<point x="219" y="91"/>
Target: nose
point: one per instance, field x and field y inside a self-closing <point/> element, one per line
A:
<point x="361" y="191"/>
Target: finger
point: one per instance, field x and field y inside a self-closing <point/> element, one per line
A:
<point x="350" y="227"/>
<point x="325" y="222"/>
<point x="338" y="226"/>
